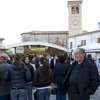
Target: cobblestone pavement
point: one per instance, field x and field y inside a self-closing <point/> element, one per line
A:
<point x="96" y="96"/>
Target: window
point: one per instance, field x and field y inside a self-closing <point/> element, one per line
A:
<point x="98" y="40"/>
<point x="83" y="42"/>
<point x="71" y="45"/>
<point x="75" y="10"/>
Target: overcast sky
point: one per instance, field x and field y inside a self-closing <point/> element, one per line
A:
<point x="18" y="16"/>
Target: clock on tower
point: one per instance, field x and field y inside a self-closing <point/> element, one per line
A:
<point x="75" y="16"/>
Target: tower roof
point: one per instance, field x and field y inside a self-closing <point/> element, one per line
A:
<point x="75" y="0"/>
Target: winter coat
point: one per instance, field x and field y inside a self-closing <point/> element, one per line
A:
<point x="87" y="83"/>
<point x="43" y="76"/>
<point x="60" y="71"/>
<point x="4" y="84"/>
<point x="31" y="69"/>
<point x="18" y="76"/>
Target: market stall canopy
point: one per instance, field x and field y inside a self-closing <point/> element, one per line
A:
<point x="36" y="44"/>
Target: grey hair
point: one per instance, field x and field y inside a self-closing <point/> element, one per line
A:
<point x="81" y="50"/>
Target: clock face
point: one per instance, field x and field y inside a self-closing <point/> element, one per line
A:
<point x="74" y="21"/>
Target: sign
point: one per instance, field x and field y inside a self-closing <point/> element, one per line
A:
<point x="20" y="50"/>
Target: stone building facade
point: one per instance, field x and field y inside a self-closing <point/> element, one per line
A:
<point x="88" y="38"/>
<point x="55" y="37"/>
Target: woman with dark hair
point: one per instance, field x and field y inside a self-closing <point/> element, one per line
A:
<point x="29" y="85"/>
<point x="18" y="75"/>
<point x="43" y="80"/>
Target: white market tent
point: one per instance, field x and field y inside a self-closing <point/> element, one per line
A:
<point x="37" y="44"/>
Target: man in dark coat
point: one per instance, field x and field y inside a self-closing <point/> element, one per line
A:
<point x="83" y="78"/>
<point x="60" y="70"/>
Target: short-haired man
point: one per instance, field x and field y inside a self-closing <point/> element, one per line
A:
<point x="83" y="78"/>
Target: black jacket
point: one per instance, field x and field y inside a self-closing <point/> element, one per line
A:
<point x="18" y="76"/>
<point x="43" y="76"/>
<point x="88" y="79"/>
<point x="60" y="71"/>
<point x="31" y="69"/>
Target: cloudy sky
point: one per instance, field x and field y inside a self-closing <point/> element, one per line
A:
<point x="18" y="16"/>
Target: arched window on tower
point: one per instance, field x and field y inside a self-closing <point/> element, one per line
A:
<point x="75" y="10"/>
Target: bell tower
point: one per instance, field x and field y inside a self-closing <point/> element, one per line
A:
<point x="75" y="17"/>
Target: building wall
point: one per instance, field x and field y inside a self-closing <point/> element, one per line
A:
<point x="27" y="37"/>
<point x="62" y="39"/>
<point x="90" y="38"/>
<point x="56" y="37"/>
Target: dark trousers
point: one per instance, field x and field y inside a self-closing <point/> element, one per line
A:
<point x="35" y="95"/>
<point x="6" y="97"/>
<point x="9" y="98"/>
<point x="78" y="96"/>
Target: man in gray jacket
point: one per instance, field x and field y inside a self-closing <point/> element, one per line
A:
<point x="4" y="85"/>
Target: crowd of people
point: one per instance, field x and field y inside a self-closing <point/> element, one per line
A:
<point x="32" y="77"/>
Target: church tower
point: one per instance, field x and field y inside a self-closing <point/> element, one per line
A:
<point x="75" y="17"/>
